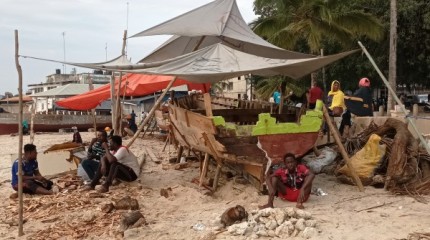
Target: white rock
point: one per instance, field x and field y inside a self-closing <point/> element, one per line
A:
<point x="303" y="214"/>
<point x="266" y="212"/>
<point x="291" y="212"/>
<point x="295" y="233"/>
<point x="293" y="220"/>
<point x="271" y="233"/>
<point x="262" y="232"/>
<point x="270" y="225"/>
<point x="300" y="224"/>
<point x="310" y="223"/>
<point x="238" y="229"/>
<point x="309" y="232"/>
<point x="263" y="220"/>
<point x="279" y="216"/>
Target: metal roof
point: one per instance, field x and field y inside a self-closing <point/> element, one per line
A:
<point x="66" y="90"/>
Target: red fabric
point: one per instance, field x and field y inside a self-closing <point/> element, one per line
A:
<point x="315" y="93"/>
<point x="138" y="85"/>
<point x="301" y="172"/>
<point x="292" y="195"/>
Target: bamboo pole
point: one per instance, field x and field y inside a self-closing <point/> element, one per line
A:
<point x="118" y="115"/>
<point x="157" y="103"/>
<point x="112" y="100"/>
<point x="93" y="111"/>
<point x="33" y="111"/>
<point x="19" y="69"/>
<point x="393" y="93"/>
<point x="343" y="152"/>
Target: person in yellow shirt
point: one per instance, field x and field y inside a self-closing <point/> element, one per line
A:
<point x="337" y="106"/>
<point x="336" y="99"/>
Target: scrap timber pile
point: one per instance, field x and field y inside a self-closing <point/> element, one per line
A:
<point x="77" y="214"/>
<point x="405" y="168"/>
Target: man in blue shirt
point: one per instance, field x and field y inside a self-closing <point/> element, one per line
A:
<point x="32" y="181"/>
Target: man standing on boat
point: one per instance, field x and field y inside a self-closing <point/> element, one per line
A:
<point x="291" y="182"/>
<point x="95" y="153"/>
<point x="119" y="163"/>
<point x="32" y="181"/>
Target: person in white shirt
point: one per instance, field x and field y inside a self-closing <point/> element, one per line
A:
<point x="119" y="163"/>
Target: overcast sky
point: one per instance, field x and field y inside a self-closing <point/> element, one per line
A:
<point x="88" y="25"/>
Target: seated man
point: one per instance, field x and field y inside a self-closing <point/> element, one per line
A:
<point x="95" y="153"/>
<point x="119" y="163"/>
<point x="292" y="182"/>
<point x="32" y="180"/>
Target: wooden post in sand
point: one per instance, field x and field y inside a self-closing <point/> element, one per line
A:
<point x="93" y="111"/>
<point x="33" y="111"/>
<point x="18" y="68"/>
<point x="343" y="152"/>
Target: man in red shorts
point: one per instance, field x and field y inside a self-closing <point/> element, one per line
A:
<point x="292" y="182"/>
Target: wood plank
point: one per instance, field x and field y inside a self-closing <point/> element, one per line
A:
<point x="343" y="152"/>
<point x="208" y="105"/>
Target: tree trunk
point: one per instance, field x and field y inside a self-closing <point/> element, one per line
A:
<point x="393" y="53"/>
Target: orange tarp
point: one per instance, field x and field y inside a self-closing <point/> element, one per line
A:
<point x="132" y="84"/>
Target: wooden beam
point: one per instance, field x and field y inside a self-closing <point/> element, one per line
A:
<point x="208" y="105"/>
<point x="343" y="152"/>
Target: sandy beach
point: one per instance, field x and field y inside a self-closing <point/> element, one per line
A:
<point x="344" y="213"/>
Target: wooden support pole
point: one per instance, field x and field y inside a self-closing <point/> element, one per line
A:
<point x="343" y="152"/>
<point x="112" y="100"/>
<point x="204" y="169"/>
<point x="33" y="111"/>
<point x="180" y="151"/>
<point x="208" y="107"/>
<point x="93" y="111"/>
<point x="20" y="117"/>
<point x="118" y="111"/>
<point x="216" y="179"/>
<point x="151" y="113"/>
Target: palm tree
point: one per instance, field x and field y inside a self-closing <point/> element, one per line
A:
<point x="290" y="21"/>
<point x="393" y="51"/>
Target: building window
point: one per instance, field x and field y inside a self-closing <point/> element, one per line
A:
<point x="230" y="86"/>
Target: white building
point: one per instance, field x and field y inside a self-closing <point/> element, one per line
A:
<point x="44" y="101"/>
<point x="58" y="79"/>
<point x="239" y="87"/>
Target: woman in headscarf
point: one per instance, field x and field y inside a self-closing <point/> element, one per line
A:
<point x="337" y="106"/>
<point x="336" y="99"/>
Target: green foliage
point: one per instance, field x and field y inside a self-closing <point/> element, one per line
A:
<point x="337" y="26"/>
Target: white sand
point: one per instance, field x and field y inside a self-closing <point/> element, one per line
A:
<point x="173" y="218"/>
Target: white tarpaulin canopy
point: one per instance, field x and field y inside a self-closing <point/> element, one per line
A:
<point x="219" y="62"/>
<point x="215" y="22"/>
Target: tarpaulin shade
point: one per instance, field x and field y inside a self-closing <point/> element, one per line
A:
<point x="131" y="85"/>
<point x="216" y="22"/>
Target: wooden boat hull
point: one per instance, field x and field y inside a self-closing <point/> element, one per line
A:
<point x="278" y="145"/>
<point x="52" y="122"/>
